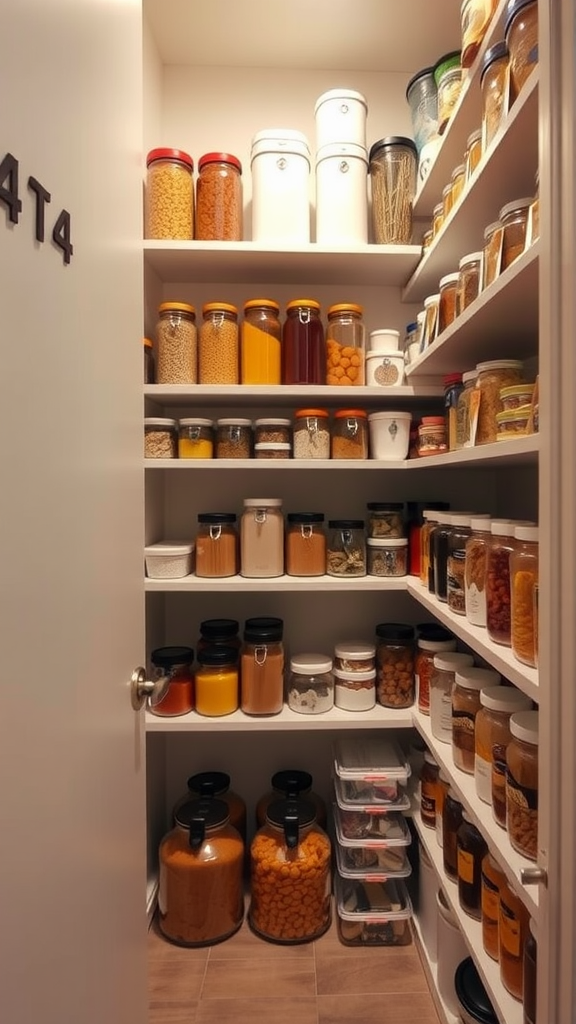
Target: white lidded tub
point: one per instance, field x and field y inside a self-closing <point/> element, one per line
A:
<point x="389" y="435"/>
<point x="169" y="561"/>
<point x="342" y="195"/>
<point x="280" y="164"/>
<point x="340" y="117"/>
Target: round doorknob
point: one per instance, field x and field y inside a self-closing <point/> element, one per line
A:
<point x="143" y="689"/>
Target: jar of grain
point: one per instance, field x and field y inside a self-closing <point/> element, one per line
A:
<point x="216" y="545"/>
<point x="395" y="664"/>
<point x="303" y="344"/>
<point x="195" y="438"/>
<point x="473" y="153"/>
<point x="311" y="684"/>
<point x="514" y="220"/>
<point x="346" y="554"/>
<point x="468" y="682"/>
<point x="521" y="33"/>
<point x="233" y="438"/>
<point x="345" y="345"/>
<point x="475" y="16"/>
<point x="272" y="450"/>
<point x="448" y="78"/>
<point x="160" y="438"/>
<point x="349" y="434"/>
<point x="469" y="277"/>
<point x="432" y="639"/>
<point x="386" y="519"/>
<point x="471" y="849"/>
<point x="311" y="434"/>
<point x="522" y="783"/>
<point x="305" y="544"/>
<point x="173" y="664"/>
<point x="513" y="923"/>
<point x="451" y="821"/>
<point x="219" y="198"/>
<point x="494" y="88"/>
<point x="149" y="372"/>
<point x="341" y="195"/>
<point x="447" y="307"/>
<point x="387" y="556"/>
<point x="492" y="878"/>
<point x="291" y="784"/>
<point x="393" y="179"/>
<point x="492" y="377"/>
<point x="476" y="554"/>
<point x="354" y="691"/>
<point x="169" y="196"/>
<point x="441" y="685"/>
<point x="260" y="343"/>
<point x="272" y="430"/>
<point x="176" y="344"/>
<point x="491" y="737"/>
<point x="218" y="361"/>
<point x="262" y="538"/>
<point x="201" y="855"/>
<point x="216" y="786"/>
<point x="523" y="583"/>
<point x="428" y="786"/>
<point x="262" y="667"/>
<point x="500" y="547"/>
<point x="217" y="681"/>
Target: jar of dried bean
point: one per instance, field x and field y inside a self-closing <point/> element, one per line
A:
<point x="491" y="737"/>
<point x="473" y="153"/>
<point x="463" y="411"/>
<point x="468" y="682"/>
<point x="523" y="582"/>
<point x="311" y="434"/>
<point x="262" y="666"/>
<point x="233" y="438"/>
<point x="169" y="198"/>
<point x="492" y="377"/>
<point x="173" y="664"/>
<point x="387" y="556"/>
<point x="349" y="434"/>
<point x="428" y="786"/>
<point x="219" y="198"/>
<point x="272" y="430"/>
<point x="441" y="685"/>
<point x="260" y="343"/>
<point x="291" y="784"/>
<point x="513" y="924"/>
<point x="195" y="438"/>
<point x="500" y="547"/>
<point x="149" y="373"/>
<point x="345" y="345"/>
<point x="216" y="545"/>
<point x="290" y="861"/>
<point x="492" y="878"/>
<point x="494" y="88"/>
<point x="160" y="438"/>
<point x="310" y="688"/>
<point x="522" y="783"/>
<point x="218" y="344"/>
<point x="303" y="350"/>
<point x="492" y="253"/>
<point x="471" y="849"/>
<point x="448" y="78"/>
<point x="452" y="388"/>
<point x="514" y="220"/>
<point x="346" y="555"/>
<point x="305" y="544"/>
<point x="386" y="519"/>
<point x="521" y="32"/>
<point x="451" y="821"/>
<point x="432" y="639"/>
<point x="395" y="664"/>
<point x="469" y="277"/>
<point x="447" y="305"/>
<point x="176" y="344"/>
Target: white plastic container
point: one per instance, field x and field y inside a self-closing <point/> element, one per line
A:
<point x="373" y="913"/>
<point x="355" y="691"/>
<point x="342" y="195"/>
<point x="386" y="371"/>
<point x="165" y="561"/>
<point x="451" y="950"/>
<point x="384" y="341"/>
<point x="340" y="117"/>
<point x="427" y="906"/>
<point x="280" y="164"/>
<point x="389" y="435"/>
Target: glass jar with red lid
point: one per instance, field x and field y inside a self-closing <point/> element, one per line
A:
<point x="303" y="344"/>
<point x="169" y="196"/>
<point x="219" y="198"/>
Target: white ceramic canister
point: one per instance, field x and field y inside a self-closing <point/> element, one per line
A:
<point x="340" y="117"/>
<point x="342" y="195"/>
<point x="280" y="164"/>
<point x="386" y="371"/>
<point x="385" y="339"/>
<point x="389" y="435"/>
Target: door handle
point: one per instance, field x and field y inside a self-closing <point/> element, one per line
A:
<point x="143" y="689"/>
<point x="533" y="876"/>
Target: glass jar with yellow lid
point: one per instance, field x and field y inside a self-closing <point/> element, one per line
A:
<point x="176" y="344"/>
<point x="260" y="343"/>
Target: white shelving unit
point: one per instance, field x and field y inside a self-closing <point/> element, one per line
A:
<point x="286" y="721"/>
<point x="278" y="584"/>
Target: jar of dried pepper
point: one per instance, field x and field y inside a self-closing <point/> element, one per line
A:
<point x="523" y="582"/>
<point x="218" y="348"/>
<point x="492" y="376"/>
<point x="219" y="198"/>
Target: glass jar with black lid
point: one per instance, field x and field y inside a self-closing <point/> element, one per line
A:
<point x="216" y="785"/>
<point x="219" y="632"/>
<point x="291" y="784"/>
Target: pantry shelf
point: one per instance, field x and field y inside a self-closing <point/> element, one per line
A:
<point x="285" y="721"/>
<point x="277" y="584"/>
<point x="267" y="395"/>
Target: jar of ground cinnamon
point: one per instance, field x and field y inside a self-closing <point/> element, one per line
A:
<point x="262" y="666"/>
<point x="305" y="544"/>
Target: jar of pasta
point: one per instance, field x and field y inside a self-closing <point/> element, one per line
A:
<point x="169" y="198"/>
<point x="219" y="198"/>
<point x="260" y="343"/>
<point x="176" y="344"/>
<point x="345" y="345"/>
<point x="491" y="879"/>
<point x="513" y="922"/>
<point x="305" y="544"/>
<point x="216" y="786"/>
<point x="492" y="376"/>
<point x="311" y="434"/>
<point x="217" y="681"/>
<point x="498" y="618"/>
<point x="233" y="438"/>
<point x="195" y="438"/>
<point x="428" y="786"/>
<point x="473" y="153"/>
<point x="310" y="688"/>
<point x="492" y="253"/>
<point x="218" y="347"/>
<point x="262" y="538"/>
<point x="441" y="685"/>
<point x="346" y="553"/>
<point x="216" y="545"/>
<point x="522" y="783"/>
<point x="471" y="849"/>
<point x="262" y="666"/>
<point x="491" y="737"/>
<point x="494" y="89"/>
<point x="432" y="639"/>
<point x="173" y="664"/>
<point x="350" y="434"/>
<point x="291" y="784"/>
<point x="523" y="582"/>
<point x="469" y="277"/>
<point x="468" y="682"/>
<point x="514" y="220"/>
<point x="447" y="307"/>
<point x="395" y="664"/>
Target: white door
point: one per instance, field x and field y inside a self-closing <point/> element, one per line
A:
<point x="72" y="824"/>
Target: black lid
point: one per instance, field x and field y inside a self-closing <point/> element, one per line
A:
<point x="305" y="517"/>
<point x="472" y="994"/>
<point x="385" y="506"/>
<point x="512" y="10"/>
<point x="209" y="783"/>
<point x="346" y="524"/>
<point x="391" y="140"/>
<point x="395" y="631"/>
<point x="261" y="629"/>
<point x="433" y="631"/>
<point x="217" y="517"/>
<point x="218" y="656"/>
<point x="291" y="815"/>
<point x="291" y="782"/>
<point x="198" y="815"/>
<point x="225" y="628"/>
<point x="168" y="656"/>
<point x="493" y="53"/>
<point x="419" y="74"/>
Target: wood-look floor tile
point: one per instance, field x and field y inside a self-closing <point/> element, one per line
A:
<point x="160" y="949"/>
<point x="410" y="1008"/>
<point x="251" y="979"/>
<point x="329" y="945"/>
<point x="259" y="1011"/>
<point x="338" y="975"/>
<point x="167" y="1015"/>
<point x="245" y="944"/>
<point x="175" y="985"/>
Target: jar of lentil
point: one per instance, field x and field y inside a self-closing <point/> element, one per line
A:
<point x="469" y="277"/>
<point x="346" y="554"/>
<point x="521" y="33"/>
<point x="514" y="220"/>
<point x="522" y="783"/>
<point x="271" y="430"/>
<point x="448" y="78"/>
<point x="216" y="786"/>
<point x="493" y="237"/>
<point x="311" y="684"/>
<point x="529" y="974"/>
<point x="452" y="389"/>
<point x="175" y="665"/>
<point x="451" y="821"/>
<point x="470" y="851"/>
<point x="160" y="438"/>
<point x="262" y="538"/>
<point x="387" y="556"/>
<point x="219" y="198"/>
<point x="473" y="153"/>
<point x="176" y="344"/>
<point x="233" y="438"/>
<point x="458" y="180"/>
<point x="169" y="195"/>
<point x="217" y="683"/>
<point x="195" y="438"/>
<point x="447" y="307"/>
<point x="393" y="178"/>
<point x="492" y="878"/>
<point x="523" y="582"/>
<point x="395" y="664"/>
<point x="500" y="547"/>
<point x="437" y="219"/>
<point x="463" y="425"/>
<point x="345" y="345"/>
<point x="468" y="682"/>
<point x="494" y="89"/>
<point x="428" y="786"/>
<point x="432" y="436"/>
<point x="218" y="361"/>
<point x="305" y="544"/>
<point x="262" y="666"/>
<point x="219" y="633"/>
<point x="216" y="545"/>
<point x="432" y="639"/>
<point x="311" y="434"/>
<point x="260" y="343"/>
<point x="386" y="519"/>
<point x="491" y="737"/>
<point x="441" y="794"/>
<point x="444" y="670"/>
<point x="303" y="350"/>
<point x="291" y="784"/>
<point x="349" y="434"/>
<point x="149" y="373"/>
<point x="492" y="377"/>
<point x="513" y="923"/>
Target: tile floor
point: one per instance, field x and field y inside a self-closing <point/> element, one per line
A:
<point x="248" y="981"/>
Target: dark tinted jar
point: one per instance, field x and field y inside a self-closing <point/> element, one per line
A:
<point x="219" y="632"/>
<point x="303" y="344"/>
<point x="451" y="821"/>
<point x="471" y="850"/>
<point x="440" y="537"/>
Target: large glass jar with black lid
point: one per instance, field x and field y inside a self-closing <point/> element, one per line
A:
<point x="441" y="683"/>
<point x="432" y="639"/>
<point x="451" y="821"/>
<point x="395" y="664"/>
<point x="216" y="786"/>
<point x="430" y="519"/>
<point x="291" y="784"/>
<point x="471" y="850"/>
<point x="174" y="666"/>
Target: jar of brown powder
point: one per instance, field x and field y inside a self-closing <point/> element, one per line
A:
<point x="305" y="544"/>
<point x="262" y="667"/>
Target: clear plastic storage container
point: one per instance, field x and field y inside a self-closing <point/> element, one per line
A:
<point x="310" y="686"/>
<point x="373" y="913"/>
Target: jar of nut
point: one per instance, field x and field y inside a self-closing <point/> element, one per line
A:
<point x="395" y="664"/>
<point x="233" y="438"/>
<point x="350" y="434"/>
<point x="218" y="348"/>
<point x="160" y="438"/>
<point x="219" y="198"/>
<point x="522" y="783"/>
<point x="176" y="344"/>
<point x="345" y="343"/>
<point x="169" y="199"/>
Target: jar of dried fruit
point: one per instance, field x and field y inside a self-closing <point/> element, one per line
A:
<point x="523" y="582"/>
<point x="395" y="664"/>
<point x="169" y="197"/>
<point x="219" y="198"/>
<point x="345" y="345"/>
<point x="218" y="349"/>
<point x="492" y="376"/>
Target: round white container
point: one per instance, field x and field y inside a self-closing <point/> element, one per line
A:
<point x="451" y="950"/>
<point x="340" y="117"/>
<point x="354" y="691"/>
<point x="427" y="908"/>
<point x="389" y="435"/>
<point x="280" y="164"/>
<point x="385" y="339"/>
<point x="385" y="371"/>
<point x="342" y="195"/>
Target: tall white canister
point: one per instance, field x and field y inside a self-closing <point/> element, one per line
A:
<point x="340" y="117"/>
<point x="280" y="164"/>
<point x="342" y="195"/>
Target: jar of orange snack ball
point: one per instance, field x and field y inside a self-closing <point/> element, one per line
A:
<point x="345" y="344"/>
<point x="290" y="874"/>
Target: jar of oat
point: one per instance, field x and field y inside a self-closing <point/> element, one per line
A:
<point x="395" y="664"/>
<point x="219" y="198"/>
<point x="218" y="354"/>
<point x="441" y="684"/>
<point x="386" y="519"/>
<point x="310" y="686"/>
<point x="468" y="681"/>
<point x="216" y="545"/>
<point x="233" y="438"/>
<point x="514" y="220"/>
<point x="160" y="438"/>
<point x="492" y="376"/>
<point x="346" y="555"/>
<point x="345" y="345"/>
<point x="523" y="583"/>
<point x="169" y="197"/>
<point x="260" y="343"/>
<point x="492" y="253"/>
<point x="491" y="737"/>
<point x="349" y="434"/>
<point x="469" y="277"/>
<point x="311" y="434"/>
<point x="195" y="438"/>
<point x="476" y="553"/>
<point x="176" y="344"/>
<point x="494" y="88"/>
<point x="447" y="305"/>
<point x="387" y="556"/>
<point x="432" y="639"/>
<point x="262" y="538"/>
<point x="305" y="544"/>
<point x="272" y="430"/>
<point x="522" y="783"/>
<point x="473" y="153"/>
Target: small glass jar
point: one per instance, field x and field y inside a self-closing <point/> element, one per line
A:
<point x="233" y="438"/>
<point x="494" y="89"/>
<point x="441" y="685"/>
<point x="452" y="389"/>
<point x="346" y="553"/>
<point x="491" y="881"/>
<point x="303" y="350"/>
<point x="514" y="220"/>
<point x="430" y="333"/>
<point x="432" y="639"/>
<point x="262" y="538"/>
<point x="432" y="436"/>
<point x="195" y="438"/>
<point x="305" y="544"/>
<point x="521" y="33"/>
<point x="311" y="434"/>
<point x="500" y="547"/>
<point x="475" y="570"/>
<point x="430" y="519"/>
<point x="395" y="665"/>
<point x="427" y="239"/>
<point x="512" y="931"/>
<point x="262" y="667"/>
<point x="160" y="438"/>
<point x="447" y="308"/>
<point x="448" y="78"/>
<point x="392" y="166"/>
<point x="386" y="519"/>
<point x="469" y="277"/>
<point x="458" y="182"/>
<point x="217" y="685"/>
<point x="455" y="562"/>
<point x="523" y="584"/>
<point x="463" y="424"/>
<point x="491" y="267"/>
<point x="272" y="450"/>
<point x="218" y="344"/>
<point x="149" y="371"/>
<point x="169" y="197"/>
<point x="522" y="783"/>
<point x="451" y="821"/>
<point x="260" y="343"/>
<point x="219" y="633"/>
<point x="447" y="200"/>
<point x="291" y="784"/>
<point x="529" y="972"/>
<point x="176" y="664"/>
<point x="387" y="557"/>
<point x="176" y="344"/>
<point x="428" y="787"/>
<point x="437" y="219"/>
<point x="216" y="545"/>
<point x="345" y="345"/>
<point x="219" y="198"/>
<point x="311" y="684"/>
<point x="471" y="850"/>
<point x="272" y="430"/>
<point x="492" y="377"/>
<point x="441" y="794"/>
<point x="349" y="434"/>
<point x="352" y="657"/>
<point x="216" y="786"/>
<point x="354" y="691"/>
<point x="468" y="682"/>
<point x="491" y="737"/>
<point x="473" y="153"/>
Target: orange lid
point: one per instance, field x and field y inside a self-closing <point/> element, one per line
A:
<point x="311" y="412"/>
<point x="222" y="307"/>
<point x="433" y="421"/>
<point x="181" y="307"/>
<point x="147" y="343"/>
<point x="268" y="303"/>
<point x="350" y="412"/>
<point x="345" y="307"/>
<point x="294" y="303"/>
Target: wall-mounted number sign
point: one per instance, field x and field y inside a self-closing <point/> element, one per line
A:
<point x="9" y="195"/>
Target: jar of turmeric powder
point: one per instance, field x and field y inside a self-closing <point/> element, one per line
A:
<point x="523" y="582"/>
<point x="290" y="875"/>
<point x="202" y="855"/>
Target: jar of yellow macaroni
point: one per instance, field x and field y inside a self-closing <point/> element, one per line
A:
<point x="169" y="197"/>
<point x="195" y="438"/>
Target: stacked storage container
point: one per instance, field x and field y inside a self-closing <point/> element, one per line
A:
<point x="341" y="168"/>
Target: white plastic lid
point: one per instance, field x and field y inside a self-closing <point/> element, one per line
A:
<point x="528" y="533"/>
<point x="354" y="652"/>
<point x="458" y="170"/>
<point x="444" y="518"/>
<point x="404" y="416"/>
<point x="159" y="421"/>
<point x="310" y="664"/>
<point x="524" y="725"/>
<point x="437" y="645"/>
<point x="429" y="759"/>
<point x="451" y="660"/>
<point x="262" y="502"/>
<point x="370" y="758"/>
<point x="272" y="446"/>
<point x="339" y="94"/>
<point x="477" y="678"/>
<point x="431" y="300"/>
<point x="383" y="542"/>
<point x="448" y="279"/>
<point x="233" y="422"/>
<point x="504" y="698"/>
<point x="272" y="422"/>
<point x="470" y="258"/>
<point x="502" y="528"/>
<point x="385" y="332"/>
<point x="469" y="375"/>
<point x="499" y="364"/>
<point x="459" y="519"/>
<point x="431" y="514"/>
<point x="480" y="523"/>
<point x="518" y="204"/>
<point x="359" y="677"/>
<point x="280" y="140"/>
<point x="166" y="547"/>
<point x="349" y="149"/>
<point x="193" y="421"/>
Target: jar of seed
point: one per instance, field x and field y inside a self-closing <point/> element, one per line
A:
<point x="311" y="434"/>
<point x="160" y="436"/>
<point x="218" y="349"/>
<point x="350" y="434"/>
<point x="233" y="438"/>
<point x="219" y="198"/>
<point x="393" y="179"/>
<point x="169" y="198"/>
<point x="176" y="344"/>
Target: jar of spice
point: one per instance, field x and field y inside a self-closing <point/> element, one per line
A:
<point x="272" y="430"/>
<point x="387" y="556"/>
<point x="219" y="633"/>
<point x="262" y="538"/>
<point x="218" y="355"/>
<point x="169" y="197"/>
<point x="498" y="618"/>
<point x="311" y="684"/>
<point x="393" y="178"/>
<point x="160" y="438"/>
<point x="195" y="438"/>
<point x="463" y="410"/>
<point x="473" y="153"/>
<point x="529" y="973"/>
<point x="149" y="372"/>
<point x="217" y="681"/>
<point x="432" y="436"/>
<point x="492" y="377"/>
<point x="216" y="786"/>
<point x="349" y="434"/>
<point x="303" y="350"/>
<point x="233" y="438"/>
<point x="175" y="663"/>
<point x="386" y="519"/>
<point x="451" y="821"/>
<point x="493" y="237"/>
<point x="452" y="389"/>
<point x="176" y="344"/>
<point x="262" y="667"/>
<point x="345" y="345"/>
<point x="291" y="784"/>
<point x="219" y="198"/>
<point x="491" y="737"/>
<point x="216" y="545"/>
<point x="448" y="78"/>
<point x="441" y="685"/>
<point x="475" y="570"/>
<point x="354" y="691"/>
<point x="494" y="89"/>
<point x="305" y="544"/>
<point x="468" y="681"/>
<point x="492" y="878"/>
<point x="311" y="434"/>
<point x="523" y="583"/>
<point x="469" y="277"/>
<point x="395" y="664"/>
<point x="522" y="783"/>
<point x="514" y="220"/>
<point x="447" y="308"/>
<point x="428" y="786"/>
<point x="512" y="930"/>
<point x="432" y="639"/>
<point x="521" y="33"/>
<point x="260" y="341"/>
<point x="471" y="850"/>
<point x="346" y="555"/>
